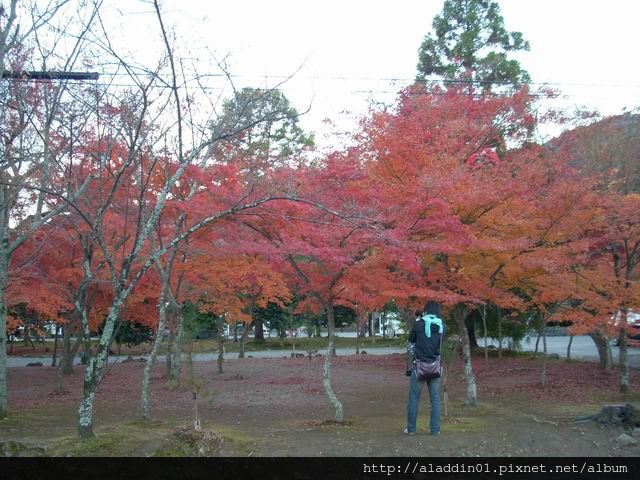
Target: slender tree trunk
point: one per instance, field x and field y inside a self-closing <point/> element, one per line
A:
<point x="196" y="416"/>
<point x="372" y="332"/>
<point x="362" y="325"/>
<point x="293" y="343"/>
<point x="169" y="355"/>
<point x="357" y="343"/>
<point x="326" y="377"/>
<point x="543" y="376"/>
<point x="27" y="338"/>
<point x="243" y="340"/>
<point x="259" y="330"/>
<point x="93" y="372"/>
<point x="445" y="394"/>
<point x="624" y="360"/>
<point x="484" y="333"/>
<point x="220" y="349"/>
<point x="460" y="312"/>
<point x="331" y="329"/>
<point x="569" y="348"/>
<point x="235" y="332"/>
<point x="65" y="365"/>
<point x="146" y="377"/>
<point x="4" y="272"/>
<point x="54" y="356"/>
<point x="85" y="343"/>
<point x="471" y="328"/>
<point x="499" y="332"/>
<point x="176" y="361"/>
<point x="383" y="320"/>
<point x="535" y="352"/>
<point x="604" y="350"/>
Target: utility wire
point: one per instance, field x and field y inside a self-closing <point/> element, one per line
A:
<point x="345" y="78"/>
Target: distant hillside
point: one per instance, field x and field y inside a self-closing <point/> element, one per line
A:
<point x="610" y="146"/>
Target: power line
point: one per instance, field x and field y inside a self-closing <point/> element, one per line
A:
<point x="27" y="75"/>
<point x="80" y="77"/>
<point x="400" y="79"/>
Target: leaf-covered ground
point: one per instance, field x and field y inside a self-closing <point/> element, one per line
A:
<point x="278" y="407"/>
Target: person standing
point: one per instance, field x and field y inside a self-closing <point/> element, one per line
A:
<point x="424" y="344"/>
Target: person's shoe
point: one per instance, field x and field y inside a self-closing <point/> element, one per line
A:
<point x="407" y="432"/>
<point x="435" y="434"/>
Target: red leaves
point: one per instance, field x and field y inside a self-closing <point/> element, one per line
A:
<point x="440" y="198"/>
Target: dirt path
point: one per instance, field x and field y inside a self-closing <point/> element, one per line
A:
<point x="265" y="407"/>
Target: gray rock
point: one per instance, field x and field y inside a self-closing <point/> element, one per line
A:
<point x="626" y="440"/>
<point x="34" y="364"/>
<point x="635" y="432"/>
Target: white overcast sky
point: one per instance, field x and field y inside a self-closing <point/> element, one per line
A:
<point x="348" y="51"/>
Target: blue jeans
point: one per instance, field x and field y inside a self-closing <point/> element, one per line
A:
<point x="415" y="389"/>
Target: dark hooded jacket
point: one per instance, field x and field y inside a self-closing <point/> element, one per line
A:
<point x="425" y="348"/>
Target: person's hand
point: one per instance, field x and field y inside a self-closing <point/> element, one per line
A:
<point x="408" y="372"/>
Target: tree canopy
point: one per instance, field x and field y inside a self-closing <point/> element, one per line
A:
<point x="469" y="42"/>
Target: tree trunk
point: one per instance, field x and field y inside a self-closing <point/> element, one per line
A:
<point x="146" y="377"/>
<point x="85" y="343"/>
<point x="445" y="394"/>
<point x="484" y="333"/>
<point x="176" y="360"/>
<point x="196" y="416"/>
<point x="235" y="332"/>
<point x="331" y="328"/>
<point x="362" y="325"/>
<point x="535" y="352"/>
<point x="54" y="356"/>
<point x="471" y="328"/>
<point x="168" y="358"/>
<point x="569" y="348"/>
<point x="357" y="343"/>
<point x="220" y="349"/>
<point x="4" y="273"/>
<point x="624" y="361"/>
<point x="68" y="354"/>
<point x="372" y="332"/>
<point x="293" y="343"/>
<point x="383" y="321"/>
<point x="259" y="331"/>
<point x="243" y="339"/>
<point x="543" y="376"/>
<point x="93" y="372"/>
<point x="499" y="332"/>
<point x="460" y="313"/>
<point x="27" y="338"/>
<point x="326" y="377"/>
<point x="604" y="350"/>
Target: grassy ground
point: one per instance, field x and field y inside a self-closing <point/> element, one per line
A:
<point x="277" y="407"/>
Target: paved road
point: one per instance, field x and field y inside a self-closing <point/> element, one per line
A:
<point x="582" y="348"/>
<point x="210" y="357"/>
